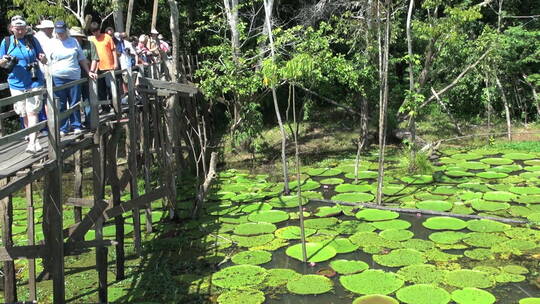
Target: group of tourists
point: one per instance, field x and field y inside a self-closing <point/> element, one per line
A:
<point x="68" y="54"/>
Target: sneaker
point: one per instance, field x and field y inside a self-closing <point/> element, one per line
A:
<point x="30" y="149"/>
<point x="37" y="146"/>
<point x="77" y="131"/>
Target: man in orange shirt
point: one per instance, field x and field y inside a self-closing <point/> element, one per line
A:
<point x="108" y="61"/>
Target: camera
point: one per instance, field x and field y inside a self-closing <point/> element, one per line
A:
<point x="32" y="68"/>
<point x="10" y="62"/>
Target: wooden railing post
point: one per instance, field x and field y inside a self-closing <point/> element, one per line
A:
<point x="31" y="241"/>
<point x="115" y="97"/>
<point x="6" y="208"/>
<point x="93" y="99"/>
<point x="52" y="204"/>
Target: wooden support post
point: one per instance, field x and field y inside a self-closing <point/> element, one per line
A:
<point x="98" y="177"/>
<point x="94" y="107"/>
<point x="112" y="149"/>
<point x="115" y="102"/>
<point x="132" y="160"/>
<point x="78" y="190"/>
<point x="146" y="141"/>
<point x="31" y="241"/>
<point x="10" y="288"/>
<point x="52" y="201"/>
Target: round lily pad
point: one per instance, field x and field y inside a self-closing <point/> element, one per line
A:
<point x="375" y="299"/>
<point x="479" y="254"/>
<point x="306" y="185"/>
<point x="371" y="282"/>
<point x="515" y="269"/>
<point x="507" y="168"/>
<point x="486" y="226"/>
<point x="491" y="175"/>
<point x="482" y="205"/>
<point x="287" y="201"/>
<point x="239" y="276"/>
<point x="483" y="239"/>
<point x="352" y="227"/>
<point x="332" y="181"/>
<point x="474" y="186"/>
<point x="310" y="284"/>
<point x="316" y="252"/>
<point x="391" y="224"/>
<point x="458" y="173"/>
<point x="436" y="255"/>
<point x="435" y="205"/>
<point x="269" y="216"/>
<point x="422" y="274"/>
<point x="473" y="165"/>
<point x="256" y="207"/>
<point x="363" y="175"/>
<point x="417" y="179"/>
<point x="525" y="190"/>
<point x="529" y="301"/>
<point x="326" y="211"/>
<point x="444" y="223"/>
<point x="499" y="196"/>
<point x="293" y="232"/>
<point x="252" y="241"/>
<point x="528" y="199"/>
<point x="342" y="245"/>
<point x="505" y="277"/>
<point x="534" y="218"/>
<point x="444" y="190"/>
<point x="252" y="257"/>
<point x="325" y="172"/>
<point x="278" y="277"/>
<point x="469" y="278"/>
<point x="418" y="244"/>
<point x="473" y="296"/>
<point x="396" y="234"/>
<point x="254" y="228"/>
<point x="242" y="296"/>
<point x="394" y="190"/>
<point x="423" y="294"/>
<point x="497" y="161"/>
<point x="447" y="237"/>
<point x="348" y="267"/>
<point x="376" y="215"/>
<point x="320" y="223"/>
<point x="353" y="197"/>
<point x="400" y="257"/>
<point x="519" y="156"/>
<point x="352" y="188"/>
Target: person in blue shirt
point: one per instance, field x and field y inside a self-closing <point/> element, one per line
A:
<point x="67" y="59"/>
<point x="25" y="75"/>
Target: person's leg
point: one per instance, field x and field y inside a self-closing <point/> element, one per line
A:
<point x="62" y="96"/>
<point x="33" y="107"/>
<point x="85" y="94"/>
<point x="74" y="98"/>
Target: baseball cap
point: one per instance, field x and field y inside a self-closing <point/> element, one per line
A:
<point x="60" y="27"/>
<point x="45" y="24"/>
<point x="17" y="21"/>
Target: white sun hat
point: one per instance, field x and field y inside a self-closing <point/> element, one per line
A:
<point x="45" y="24"/>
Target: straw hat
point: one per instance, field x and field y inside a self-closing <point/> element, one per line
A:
<point x="76" y="32"/>
<point x="45" y="24"/>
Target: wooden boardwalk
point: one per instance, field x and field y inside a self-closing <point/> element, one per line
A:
<point x="146" y="139"/>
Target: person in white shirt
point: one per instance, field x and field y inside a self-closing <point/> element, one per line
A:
<point x="45" y="34"/>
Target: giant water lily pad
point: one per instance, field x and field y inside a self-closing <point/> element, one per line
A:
<point x="515" y="269"/>
<point x="353" y="188"/>
<point x="324" y="172"/>
<point x="320" y="223"/>
<point x="444" y="223"/>
<point x="422" y="274"/>
<point x="372" y="239"/>
<point x="278" y="277"/>
<point x="482" y="205"/>
<point x="239" y="276"/>
<point x="534" y="218"/>
<point x="519" y="156"/>
<point x="483" y="239"/>
<point x="252" y="257"/>
<point x="435" y="205"/>
<point x="352" y="227"/>
<point x="376" y="215"/>
<point x="332" y="181"/>
<point x="466" y="156"/>
<point x="505" y="277"/>
<point x="400" y="257"/>
<point x="507" y="168"/>
<point x="447" y="237"/>
<point x="497" y="161"/>
<point x="423" y="294"/>
<point x="469" y="278"/>
<point x="474" y="186"/>
<point x="241" y="296"/>
<point x="326" y="211"/>
<point x="305" y="185"/>
<point x="525" y="190"/>
<point x="310" y="284"/>
<point x="529" y="301"/>
<point x="254" y="228"/>
<point x="529" y="199"/>
<point x="444" y="190"/>
<point x="458" y="173"/>
<point x="418" y="244"/>
<point x="293" y="232"/>
<point x="316" y="252"/>
<point x="287" y="201"/>
<point x="436" y="255"/>
<point x="417" y="179"/>
<point x="491" y="175"/>
<point x="256" y="207"/>
<point x="269" y="216"/>
<point x="396" y="234"/>
<point x="371" y="281"/>
<point x="353" y="197"/>
<point x="479" y="254"/>
<point x="342" y="245"/>
<point x="391" y="224"/>
<point x="363" y="175"/>
<point x="499" y="196"/>
<point x="486" y="226"/>
<point x="375" y="299"/>
<point x="393" y="190"/>
<point x="473" y="165"/>
<point x="348" y="267"/>
<point x="252" y="241"/>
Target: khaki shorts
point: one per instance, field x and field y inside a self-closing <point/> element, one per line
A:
<point x="29" y="105"/>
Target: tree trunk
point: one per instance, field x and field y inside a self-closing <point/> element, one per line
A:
<point x="173" y="5"/>
<point x="383" y="101"/>
<point x="231" y="10"/>
<point x="506" y="108"/>
<point x="118" y="15"/>
<point x="129" y="16"/>
<point x="268" y="14"/>
<point x="154" y="14"/>
<point x="412" y="122"/>
<point x="362" y="139"/>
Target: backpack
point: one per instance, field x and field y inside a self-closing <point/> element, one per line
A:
<point x="7" y="43"/>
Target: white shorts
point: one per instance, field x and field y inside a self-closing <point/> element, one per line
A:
<point x="29" y="105"/>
